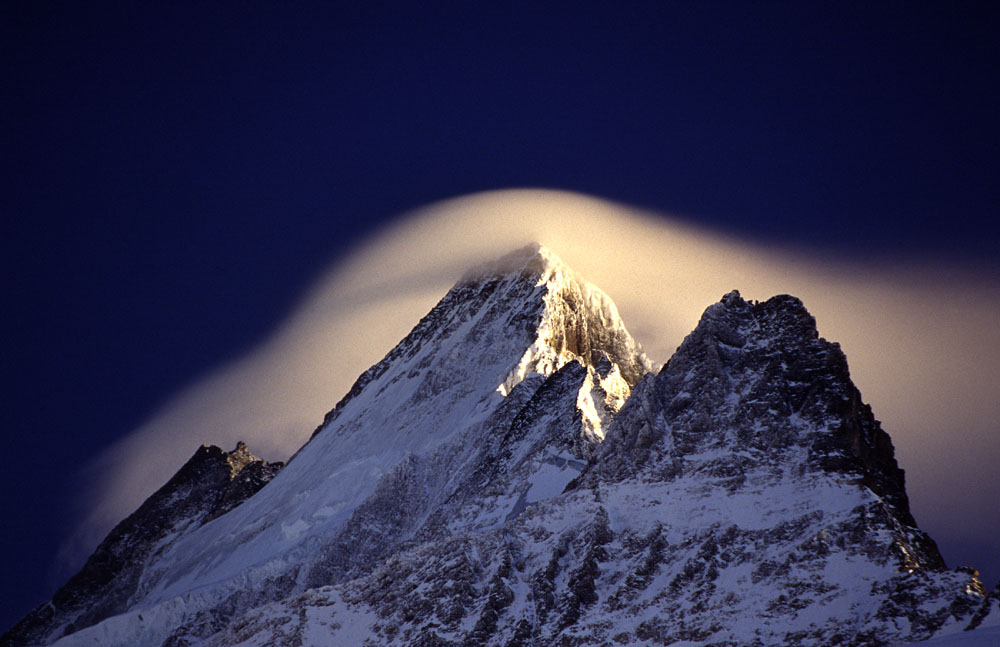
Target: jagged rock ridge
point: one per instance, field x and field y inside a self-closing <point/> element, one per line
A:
<point x="461" y="494"/>
<point x="211" y="483"/>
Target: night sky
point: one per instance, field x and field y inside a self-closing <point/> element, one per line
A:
<point x="175" y="178"/>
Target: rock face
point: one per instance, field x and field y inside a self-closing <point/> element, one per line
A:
<point x="210" y="484"/>
<point x="512" y="473"/>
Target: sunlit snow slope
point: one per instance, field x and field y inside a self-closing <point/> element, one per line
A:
<point x="522" y="316"/>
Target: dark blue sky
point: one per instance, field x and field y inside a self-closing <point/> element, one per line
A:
<point x="175" y="177"/>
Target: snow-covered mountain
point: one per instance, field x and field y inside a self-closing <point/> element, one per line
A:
<point x="513" y="473"/>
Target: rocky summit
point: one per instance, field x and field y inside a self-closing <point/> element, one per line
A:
<point x="516" y="473"/>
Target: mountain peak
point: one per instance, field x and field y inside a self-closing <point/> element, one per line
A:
<point x="756" y="377"/>
<point x="531" y="301"/>
<point x="739" y="321"/>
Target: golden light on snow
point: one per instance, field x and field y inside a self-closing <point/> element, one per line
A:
<point x="922" y="340"/>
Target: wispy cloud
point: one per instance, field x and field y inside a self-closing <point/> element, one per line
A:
<point x="922" y="339"/>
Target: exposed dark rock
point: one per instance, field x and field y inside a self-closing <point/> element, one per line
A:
<point x="210" y="483"/>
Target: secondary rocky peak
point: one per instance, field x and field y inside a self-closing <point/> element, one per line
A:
<point x="756" y="376"/>
<point x="735" y="321"/>
<point x="770" y="364"/>
<point x="754" y="390"/>
<point x="211" y="464"/>
<point x="240" y="457"/>
<point x="209" y="484"/>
